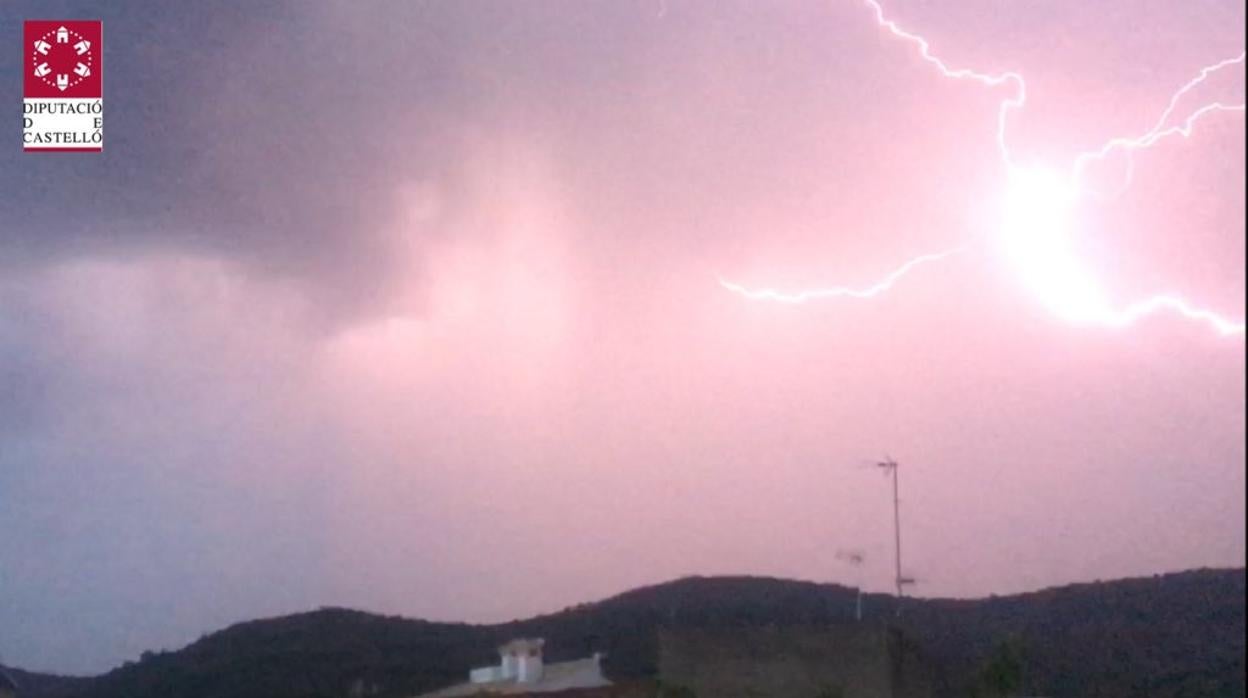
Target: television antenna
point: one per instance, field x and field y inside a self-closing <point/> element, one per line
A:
<point x="889" y="466"/>
<point x="855" y="558"/>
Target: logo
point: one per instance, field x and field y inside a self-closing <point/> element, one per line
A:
<point x="63" y="105"/>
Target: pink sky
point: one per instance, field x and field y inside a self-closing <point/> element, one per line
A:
<point x="446" y="339"/>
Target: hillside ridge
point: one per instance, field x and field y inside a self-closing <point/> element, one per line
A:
<point x="1178" y="633"/>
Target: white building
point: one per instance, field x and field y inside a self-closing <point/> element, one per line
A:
<point x="521" y="669"/>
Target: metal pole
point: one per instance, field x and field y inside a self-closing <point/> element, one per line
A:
<point x="897" y="529"/>
<point x="891" y="465"/>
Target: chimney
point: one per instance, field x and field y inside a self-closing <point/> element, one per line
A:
<point x="530" y="662"/>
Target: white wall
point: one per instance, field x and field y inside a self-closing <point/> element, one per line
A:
<point x="530" y="669"/>
<point x="485" y="674"/>
<point x="509" y="666"/>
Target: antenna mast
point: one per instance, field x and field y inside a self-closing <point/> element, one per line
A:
<point x="890" y="468"/>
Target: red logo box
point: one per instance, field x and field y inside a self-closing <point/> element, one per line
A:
<point x="62" y="76"/>
<point x="63" y="58"/>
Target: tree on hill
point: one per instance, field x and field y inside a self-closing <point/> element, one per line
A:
<point x="1002" y="674"/>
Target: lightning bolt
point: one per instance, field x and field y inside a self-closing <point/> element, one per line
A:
<point x="986" y="79"/>
<point x="1050" y="268"/>
<point x="1159" y="130"/>
<point x="838" y="291"/>
<point x="1128" y="316"/>
<point x="1163" y="129"/>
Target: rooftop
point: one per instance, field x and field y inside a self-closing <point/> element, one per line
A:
<point x="523" y="644"/>
<point x="560" y="676"/>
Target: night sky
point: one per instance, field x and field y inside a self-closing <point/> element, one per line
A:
<point x="415" y="307"/>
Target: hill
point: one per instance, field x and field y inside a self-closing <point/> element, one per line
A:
<point x="45" y="685"/>
<point x="1169" y="635"/>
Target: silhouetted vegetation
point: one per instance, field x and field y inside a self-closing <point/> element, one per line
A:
<point x="45" y="685"/>
<point x="1002" y="674"/>
<point x="1166" y="636"/>
<point x="675" y="691"/>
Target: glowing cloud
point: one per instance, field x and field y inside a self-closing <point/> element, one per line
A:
<point x="1035" y="240"/>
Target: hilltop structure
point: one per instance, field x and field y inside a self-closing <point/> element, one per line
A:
<point x="522" y="671"/>
<point x="866" y="660"/>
